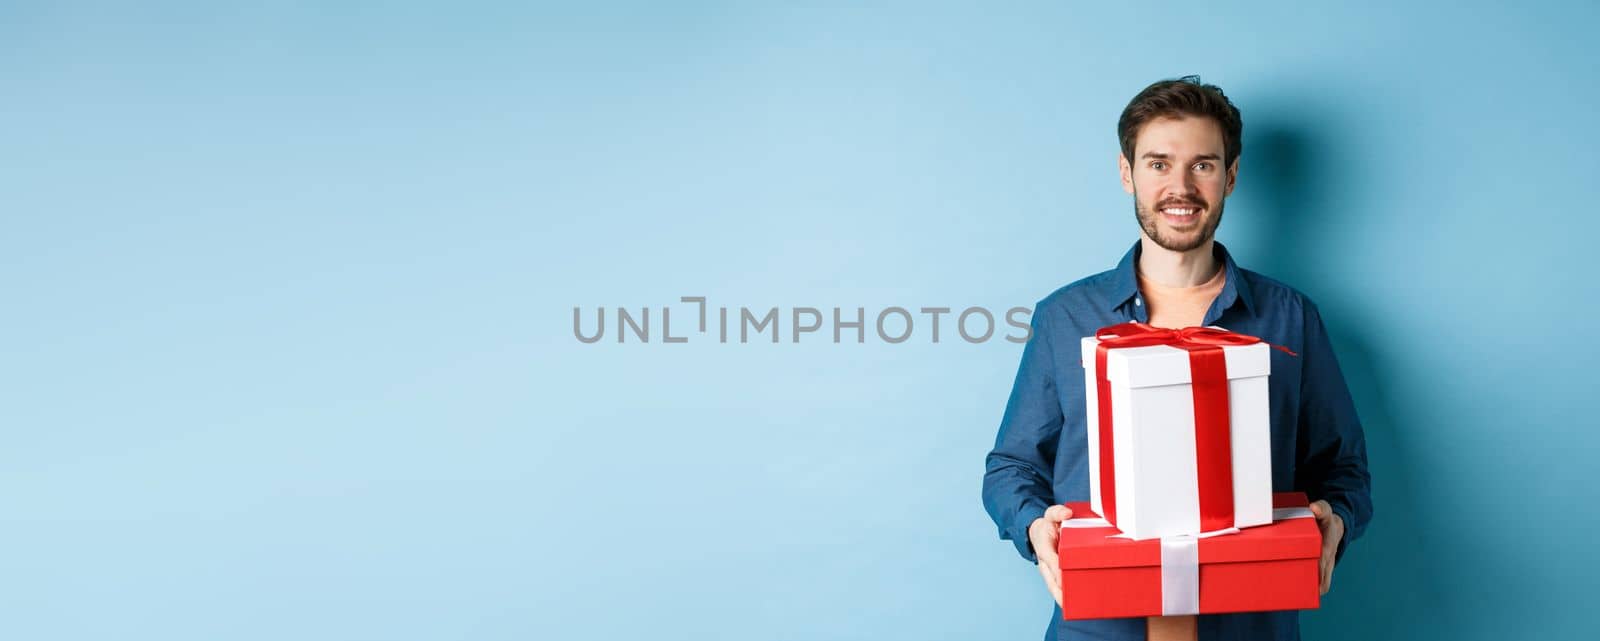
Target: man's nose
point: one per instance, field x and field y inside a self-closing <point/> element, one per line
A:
<point x="1183" y="191"/>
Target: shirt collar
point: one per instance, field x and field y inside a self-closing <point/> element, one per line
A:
<point x="1124" y="283"/>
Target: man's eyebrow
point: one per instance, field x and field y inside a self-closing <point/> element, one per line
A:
<point x="1162" y="156"/>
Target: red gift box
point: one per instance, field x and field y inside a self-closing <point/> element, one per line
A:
<point x="1269" y="567"/>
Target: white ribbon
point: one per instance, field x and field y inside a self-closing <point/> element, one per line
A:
<point x="1180" y="571"/>
<point x="1180" y="575"/>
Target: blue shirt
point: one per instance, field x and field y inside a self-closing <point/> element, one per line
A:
<point x="1040" y="454"/>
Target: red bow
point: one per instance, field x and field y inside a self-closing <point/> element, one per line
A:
<point x="1141" y="335"/>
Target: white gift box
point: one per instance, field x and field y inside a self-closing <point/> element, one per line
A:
<point x="1153" y="437"/>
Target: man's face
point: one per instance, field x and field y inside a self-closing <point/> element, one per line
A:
<point x="1177" y="180"/>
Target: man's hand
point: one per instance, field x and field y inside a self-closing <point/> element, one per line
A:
<point x="1043" y="533"/>
<point x="1332" y="531"/>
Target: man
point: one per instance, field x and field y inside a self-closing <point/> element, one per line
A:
<point x="1180" y="145"/>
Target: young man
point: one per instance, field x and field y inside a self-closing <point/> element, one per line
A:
<point x="1180" y="144"/>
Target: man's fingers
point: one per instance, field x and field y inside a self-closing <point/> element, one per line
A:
<point x="1049" y="565"/>
<point x="1044" y="548"/>
<point x="1330" y="544"/>
<point x="1325" y="567"/>
<point x="1047" y="557"/>
<point x="1052" y="581"/>
<point x="1331" y="533"/>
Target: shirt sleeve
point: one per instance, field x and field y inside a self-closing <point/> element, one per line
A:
<point x="1332" y="447"/>
<point x="1017" y="472"/>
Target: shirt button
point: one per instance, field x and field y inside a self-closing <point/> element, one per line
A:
<point x="1138" y="301"/>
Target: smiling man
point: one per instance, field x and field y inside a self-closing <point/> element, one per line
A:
<point x="1180" y="147"/>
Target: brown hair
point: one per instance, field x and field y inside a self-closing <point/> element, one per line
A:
<point x="1184" y="96"/>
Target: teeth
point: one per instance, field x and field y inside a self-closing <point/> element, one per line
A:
<point x="1178" y="212"/>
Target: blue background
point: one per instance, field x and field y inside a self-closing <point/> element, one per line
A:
<point x="288" y="300"/>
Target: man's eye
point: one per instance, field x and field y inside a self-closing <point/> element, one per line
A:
<point x="1158" y="165"/>
<point x="1202" y="166"/>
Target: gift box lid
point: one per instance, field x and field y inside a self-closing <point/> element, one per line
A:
<point x="1084" y="548"/>
<point x="1164" y="365"/>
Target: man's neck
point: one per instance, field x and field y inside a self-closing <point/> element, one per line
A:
<point x="1176" y="269"/>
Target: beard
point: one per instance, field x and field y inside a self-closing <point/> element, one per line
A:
<point x="1150" y="221"/>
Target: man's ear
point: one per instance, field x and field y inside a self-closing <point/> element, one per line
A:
<point x="1233" y="176"/>
<point x="1126" y="170"/>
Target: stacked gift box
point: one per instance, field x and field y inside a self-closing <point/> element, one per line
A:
<point x="1181" y="517"/>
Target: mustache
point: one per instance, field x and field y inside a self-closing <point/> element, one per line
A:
<point x="1195" y="203"/>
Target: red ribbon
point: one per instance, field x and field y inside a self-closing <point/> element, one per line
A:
<point x="1208" y="372"/>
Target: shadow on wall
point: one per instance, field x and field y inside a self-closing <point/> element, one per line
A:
<point x="1388" y="581"/>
